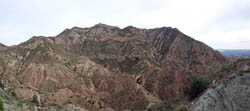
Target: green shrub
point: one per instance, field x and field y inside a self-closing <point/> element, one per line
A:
<point x="172" y="104"/>
<point x="34" y="100"/>
<point x="1" y="85"/>
<point x="227" y="68"/>
<point x="214" y="75"/>
<point x="1" y="105"/>
<point x="198" y="85"/>
<point x="181" y="107"/>
<point x="241" y="74"/>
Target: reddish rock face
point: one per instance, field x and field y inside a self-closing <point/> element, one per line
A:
<point x="106" y="68"/>
<point x="163" y="57"/>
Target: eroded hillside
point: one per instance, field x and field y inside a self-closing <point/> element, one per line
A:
<point x="104" y="68"/>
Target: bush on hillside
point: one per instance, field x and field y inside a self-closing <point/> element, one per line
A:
<point x="1" y="105"/>
<point x="227" y="68"/>
<point x="181" y="107"/>
<point x="198" y="85"/>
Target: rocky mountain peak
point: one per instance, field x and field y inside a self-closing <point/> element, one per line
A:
<point x="129" y="28"/>
<point x="102" y="30"/>
<point x="101" y="25"/>
<point x="103" y="67"/>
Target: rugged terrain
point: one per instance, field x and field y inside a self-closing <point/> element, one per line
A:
<point x="103" y="68"/>
<point x="230" y="92"/>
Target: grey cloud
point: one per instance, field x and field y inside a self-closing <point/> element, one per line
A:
<point x="235" y="16"/>
<point x="237" y="11"/>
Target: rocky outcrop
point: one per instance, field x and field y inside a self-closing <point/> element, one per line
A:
<point x="232" y="94"/>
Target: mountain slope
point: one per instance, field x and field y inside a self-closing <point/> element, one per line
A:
<point x="104" y="67"/>
<point x="40" y="71"/>
<point x="164" y="55"/>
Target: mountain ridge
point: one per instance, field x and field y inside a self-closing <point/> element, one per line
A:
<point x="105" y="68"/>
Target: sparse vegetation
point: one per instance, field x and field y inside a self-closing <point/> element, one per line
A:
<point x="175" y="103"/>
<point x="87" y="81"/>
<point x="34" y="100"/>
<point x="198" y="85"/>
<point x="214" y="74"/>
<point x="241" y="73"/>
<point x="1" y="105"/>
<point x="227" y="68"/>
<point x="13" y="93"/>
<point x="1" y="85"/>
<point x="181" y="107"/>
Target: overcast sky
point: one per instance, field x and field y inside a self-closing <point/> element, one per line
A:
<point x="222" y="24"/>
